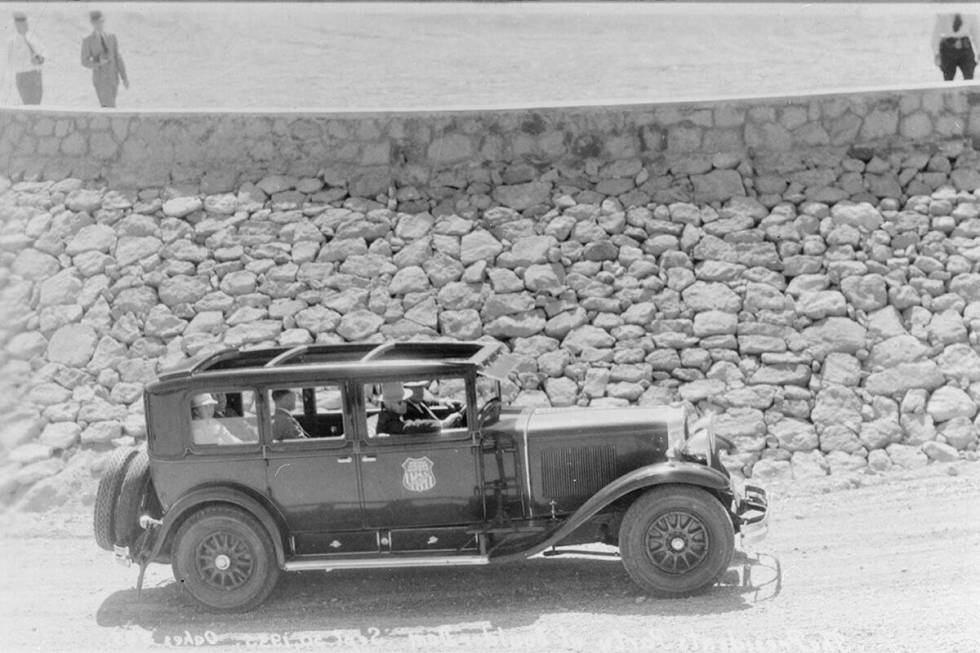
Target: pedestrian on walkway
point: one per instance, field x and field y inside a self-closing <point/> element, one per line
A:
<point x="25" y="57"/>
<point x="956" y="44"/>
<point x="100" y="52"/>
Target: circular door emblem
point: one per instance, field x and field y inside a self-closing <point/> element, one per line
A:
<point x="418" y="476"/>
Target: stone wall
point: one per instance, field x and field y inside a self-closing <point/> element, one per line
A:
<point x="825" y="300"/>
<point x="833" y="338"/>
<point x="438" y="150"/>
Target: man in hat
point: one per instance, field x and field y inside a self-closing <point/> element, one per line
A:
<point x="284" y="425"/>
<point x="100" y="52"/>
<point x="421" y="401"/>
<point x="204" y="427"/>
<point x="956" y="44"/>
<point x="394" y="419"/>
<point x="25" y="56"/>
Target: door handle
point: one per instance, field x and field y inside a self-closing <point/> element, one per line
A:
<point x="345" y="459"/>
<point x="369" y="459"/>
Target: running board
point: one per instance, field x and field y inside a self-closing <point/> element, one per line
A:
<point x="388" y="562"/>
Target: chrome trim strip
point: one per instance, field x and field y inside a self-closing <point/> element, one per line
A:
<point x="386" y="562"/>
<point x="527" y="463"/>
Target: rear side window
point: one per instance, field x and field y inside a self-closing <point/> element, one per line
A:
<point x="223" y="418"/>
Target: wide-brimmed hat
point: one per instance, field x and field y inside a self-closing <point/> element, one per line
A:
<point x="19" y="17"/>
<point x="392" y="392"/>
<point x="199" y="401"/>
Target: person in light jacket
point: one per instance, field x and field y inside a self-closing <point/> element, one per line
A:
<point x="25" y="56"/>
<point x="956" y="44"/>
<point x="100" y="52"/>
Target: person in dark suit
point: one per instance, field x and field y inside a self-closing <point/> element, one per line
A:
<point x="394" y="420"/>
<point x="284" y="425"/>
<point x="100" y="52"/>
<point x="956" y="44"/>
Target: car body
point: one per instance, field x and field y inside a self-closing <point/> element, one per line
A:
<point x="295" y="474"/>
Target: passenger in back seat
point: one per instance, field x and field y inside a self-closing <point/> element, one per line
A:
<point x="284" y="425"/>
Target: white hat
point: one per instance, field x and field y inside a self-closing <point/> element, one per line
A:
<point x="205" y="399"/>
<point x="392" y="392"/>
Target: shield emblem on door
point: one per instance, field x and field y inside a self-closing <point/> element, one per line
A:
<point x="418" y="476"/>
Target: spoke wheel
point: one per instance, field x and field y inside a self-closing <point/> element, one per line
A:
<point x="676" y="540"/>
<point x="224" y="559"/>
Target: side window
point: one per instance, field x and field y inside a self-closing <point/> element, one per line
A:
<point x="224" y="418"/>
<point x="417" y="407"/>
<point x="303" y="413"/>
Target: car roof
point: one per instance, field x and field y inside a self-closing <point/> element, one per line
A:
<point x="280" y="364"/>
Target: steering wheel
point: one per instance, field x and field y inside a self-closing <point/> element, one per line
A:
<point x="489" y="413"/>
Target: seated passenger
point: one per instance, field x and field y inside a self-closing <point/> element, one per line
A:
<point x="223" y="410"/>
<point x="204" y="427"/>
<point x="284" y="425"/>
<point x="393" y="418"/>
<point x="421" y="401"/>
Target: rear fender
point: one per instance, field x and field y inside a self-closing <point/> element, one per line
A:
<point x="673" y="472"/>
<point x="268" y="516"/>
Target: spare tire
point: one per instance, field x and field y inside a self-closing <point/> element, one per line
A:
<point x="134" y="498"/>
<point x="105" y="499"/>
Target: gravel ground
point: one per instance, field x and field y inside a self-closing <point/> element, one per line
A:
<point x="868" y="563"/>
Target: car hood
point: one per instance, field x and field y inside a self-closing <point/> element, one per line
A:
<point x="587" y="423"/>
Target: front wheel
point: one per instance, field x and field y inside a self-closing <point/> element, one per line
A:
<point x="676" y="540"/>
<point x="224" y="559"/>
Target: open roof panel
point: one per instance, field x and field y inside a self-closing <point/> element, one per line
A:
<point x="278" y="357"/>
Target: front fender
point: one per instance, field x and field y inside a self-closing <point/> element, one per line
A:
<point x="185" y="505"/>
<point x="673" y="472"/>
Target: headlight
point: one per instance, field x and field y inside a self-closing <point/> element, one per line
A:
<point x="702" y="441"/>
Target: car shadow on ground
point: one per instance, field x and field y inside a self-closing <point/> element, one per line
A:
<point x="387" y="603"/>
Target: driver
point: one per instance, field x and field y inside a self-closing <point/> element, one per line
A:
<point x="421" y="400"/>
<point x="394" y="418"/>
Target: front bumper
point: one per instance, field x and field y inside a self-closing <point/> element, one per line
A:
<point x="752" y="512"/>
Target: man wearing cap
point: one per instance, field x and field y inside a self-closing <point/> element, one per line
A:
<point x="394" y="418"/>
<point x="100" y="52"/>
<point x="204" y="427"/>
<point x="284" y="425"/>
<point x="25" y="56"/>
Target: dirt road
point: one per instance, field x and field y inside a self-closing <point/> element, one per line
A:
<point x="890" y="565"/>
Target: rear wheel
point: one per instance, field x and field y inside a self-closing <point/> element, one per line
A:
<point x="108" y="494"/>
<point x="224" y="559"/>
<point x="676" y="540"/>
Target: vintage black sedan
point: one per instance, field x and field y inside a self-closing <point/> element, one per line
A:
<point x="351" y="456"/>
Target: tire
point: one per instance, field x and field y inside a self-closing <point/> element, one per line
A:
<point x="136" y="496"/>
<point x="107" y="495"/>
<point x="676" y="540"/>
<point x="224" y="560"/>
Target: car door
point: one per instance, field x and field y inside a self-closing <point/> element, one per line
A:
<point x="313" y="480"/>
<point x="416" y="480"/>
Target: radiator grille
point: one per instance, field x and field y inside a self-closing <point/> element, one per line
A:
<point x="576" y="471"/>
